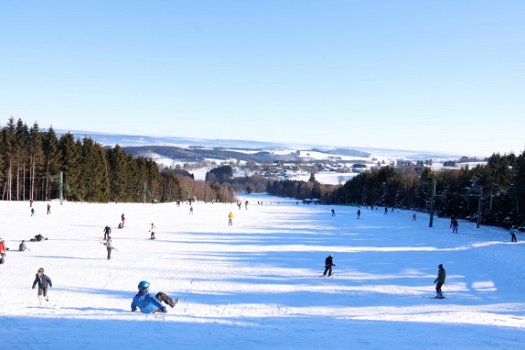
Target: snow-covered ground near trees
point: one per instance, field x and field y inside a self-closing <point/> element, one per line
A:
<point x="256" y="285"/>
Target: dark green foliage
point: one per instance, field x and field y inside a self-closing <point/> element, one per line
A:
<point x="219" y="175"/>
<point x="31" y="159"/>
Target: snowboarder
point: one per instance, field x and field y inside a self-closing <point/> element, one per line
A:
<point x="152" y="231"/>
<point x="328" y="263"/>
<point x="513" y="234"/>
<point x="107" y="233"/>
<point x="191" y="210"/>
<point x="454" y="225"/>
<point x="230" y="219"/>
<point x="22" y="247"/>
<point x="147" y="303"/>
<point x="122" y="220"/>
<point x="109" y="247"/>
<point x="48" y="208"/>
<point x="32" y="211"/>
<point x="44" y="282"/>
<point x="246" y="205"/>
<point x="358" y="213"/>
<point x="386" y="211"/>
<point x="30" y="203"/>
<point x="414" y="217"/>
<point x="439" y="281"/>
<point x="333" y="211"/>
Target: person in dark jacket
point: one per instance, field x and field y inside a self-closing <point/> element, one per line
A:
<point x="44" y="282"/>
<point x="440" y="280"/>
<point x="107" y="233"/>
<point x="328" y="263"/>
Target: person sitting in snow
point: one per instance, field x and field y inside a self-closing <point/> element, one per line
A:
<point x="147" y="303"/>
<point x="22" y="247"/>
<point x="440" y="281"/>
<point x="38" y="238"/>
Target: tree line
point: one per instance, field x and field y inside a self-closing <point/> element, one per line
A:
<point x="497" y="188"/>
<point x="31" y="161"/>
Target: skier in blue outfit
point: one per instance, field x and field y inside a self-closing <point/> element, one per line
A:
<point x="147" y="303"/>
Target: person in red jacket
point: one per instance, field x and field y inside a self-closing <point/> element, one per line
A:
<point x="2" y="250"/>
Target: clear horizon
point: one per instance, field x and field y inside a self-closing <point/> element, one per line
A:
<point x="437" y="76"/>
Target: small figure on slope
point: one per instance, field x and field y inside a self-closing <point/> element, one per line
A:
<point x="333" y="211"/>
<point x="44" y="282"/>
<point x="152" y="231"/>
<point x="440" y="280"/>
<point x="22" y="247"/>
<point x="107" y="233"/>
<point x="109" y="247"/>
<point x="513" y="234"/>
<point x="2" y="251"/>
<point x="230" y="219"/>
<point x="328" y="263"/>
<point x="454" y="225"/>
<point x="358" y="213"/>
<point x="147" y="303"/>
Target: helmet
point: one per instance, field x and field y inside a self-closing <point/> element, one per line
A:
<point x="143" y="285"/>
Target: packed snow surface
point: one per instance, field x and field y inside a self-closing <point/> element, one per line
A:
<point x="257" y="284"/>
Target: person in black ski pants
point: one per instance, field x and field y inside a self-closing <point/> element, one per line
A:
<point x="328" y="263"/>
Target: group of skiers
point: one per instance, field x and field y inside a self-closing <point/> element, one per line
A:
<point x="439" y="281"/>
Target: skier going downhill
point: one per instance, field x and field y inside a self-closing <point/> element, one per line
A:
<point x="328" y="263"/>
<point x="439" y="281"/>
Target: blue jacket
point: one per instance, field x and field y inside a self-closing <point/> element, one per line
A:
<point x="147" y="303"/>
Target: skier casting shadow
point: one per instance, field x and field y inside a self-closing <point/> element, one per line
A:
<point x="439" y="281"/>
<point x="147" y="303"/>
<point x="328" y="263"/>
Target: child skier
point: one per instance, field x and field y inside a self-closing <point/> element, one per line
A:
<point x="44" y="282"/>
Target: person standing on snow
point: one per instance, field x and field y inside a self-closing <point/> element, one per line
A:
<point x="513" y="234"/>
<point x="328" y="263"/>
<point x="333" y="211"/>
<point x="107" y="233"/>
<point x="44" y="282"/>
<point x="230" y="219"/>
<point x="109" y="247"/>
<point x="358" y="213"/>
<point x="454" y="225"/>
<point x="147" y="303"/>
<point x="440" y="281"/>
<point x="152" y="231"/>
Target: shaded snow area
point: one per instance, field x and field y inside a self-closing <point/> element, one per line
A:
<point x="256" y="284"/>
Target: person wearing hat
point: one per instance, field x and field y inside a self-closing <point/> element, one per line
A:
<point x="147" y="303"/>
<point x="44" y="282"/>
<point x="439" y="281"/>
<point x="328" y="263"/>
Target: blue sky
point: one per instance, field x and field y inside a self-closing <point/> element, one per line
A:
<point x="421" y="75"/>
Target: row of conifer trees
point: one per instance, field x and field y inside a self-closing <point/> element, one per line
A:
<point x="37" y="164"/>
